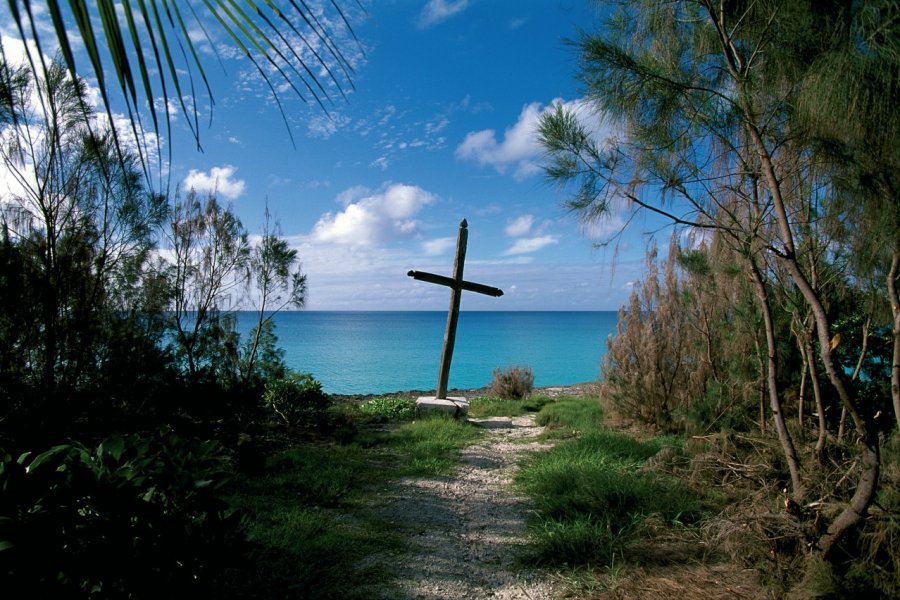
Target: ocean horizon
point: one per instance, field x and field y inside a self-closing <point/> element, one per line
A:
<point x="381" y="352"/>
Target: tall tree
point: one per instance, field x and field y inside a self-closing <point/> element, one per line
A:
<point x="210" y="257"/>
<point x="846" y="102"/>
<point x="704" y="93"/>
<point x="78" y="227"/>
<point x="278" y="284"/>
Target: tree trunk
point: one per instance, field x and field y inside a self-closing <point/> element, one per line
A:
<point x="817" y="394"/>
<point x="787" y="445"/>
<point x="870" y="459"/>
<point x="762" y="387"/>
<point x="893" y="274"/>
<point x="801" y="398"/>
<point x="855" y="376"/>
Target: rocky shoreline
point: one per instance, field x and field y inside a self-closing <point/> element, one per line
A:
<point x="579" y="389"/>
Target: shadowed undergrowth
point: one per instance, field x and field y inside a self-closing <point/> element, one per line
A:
<point x="304" y="514"/>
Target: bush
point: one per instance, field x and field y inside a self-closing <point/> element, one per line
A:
<point x="136" y="517"/>
<point x="512" y="383"/>
<point x="389" y="408"/>
<point x="298" y="400"/>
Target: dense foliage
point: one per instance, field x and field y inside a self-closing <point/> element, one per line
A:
<point x="298" y="399"/>
<point x="767" y="131"/>
<point x="137" y="516"/>
<point x="119" y="317"/>
<point x="118" y="302"/>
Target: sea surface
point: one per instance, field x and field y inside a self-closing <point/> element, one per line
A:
<point x="384" y="352"/>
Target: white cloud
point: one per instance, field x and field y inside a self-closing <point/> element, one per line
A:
<point x="19" y="180"/>
<point x="437" y="246"/>
<point x="324" y="126"/>
<point x="529" y="245"/>
<point x="166" y="105"/>
<point x="440" y="10"/>
<point x="519" y="148"/>
<point x="219" y="180"/>
<point x="519" y="226"/>
<point x="373" y="218"/>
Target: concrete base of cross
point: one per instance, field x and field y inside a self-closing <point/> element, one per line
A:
<point x="452" y="405"/>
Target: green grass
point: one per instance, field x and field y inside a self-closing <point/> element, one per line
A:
<point x="388" y="408"/>
<point x="309" y="534"/>
<point x="568" y="417"/>
<point x="588" y="492"/>
<point x="301" y="543"/>
<point x="429" y="446"/>
<point x="498" y="407"/>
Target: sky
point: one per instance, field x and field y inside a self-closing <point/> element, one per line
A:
<point x="440" y="127"/>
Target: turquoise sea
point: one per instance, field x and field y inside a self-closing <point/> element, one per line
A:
<point x="383" y="352"/>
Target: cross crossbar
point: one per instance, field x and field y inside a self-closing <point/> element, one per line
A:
<point x="452" y="283"/>
<point x="456" y="285"/>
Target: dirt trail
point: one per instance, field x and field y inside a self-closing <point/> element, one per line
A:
<point x="465" y="528"/>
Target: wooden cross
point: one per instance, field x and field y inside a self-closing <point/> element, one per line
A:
<point x="456" y="285"/>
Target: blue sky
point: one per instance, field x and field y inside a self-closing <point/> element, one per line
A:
<point x="440" y="127"/>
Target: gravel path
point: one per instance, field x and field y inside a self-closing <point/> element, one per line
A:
<point x="465" y="528"/>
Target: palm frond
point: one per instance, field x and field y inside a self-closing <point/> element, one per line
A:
<point x="141" y="52"/>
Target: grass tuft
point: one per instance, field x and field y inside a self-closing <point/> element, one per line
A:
<point x="568" y="417"/>
<point x="588" y="492"/>
<point x="388" y="408"/>
<point x="430" y="445"/>
<point x="492" y="406"/>
<point x="298" y="541"/>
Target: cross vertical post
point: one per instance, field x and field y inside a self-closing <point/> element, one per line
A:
<point x="453" y="314"/>
<point x="456" y="285"/>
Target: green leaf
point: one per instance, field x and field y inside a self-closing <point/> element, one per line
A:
<point x="47" y="456"/>
<point x="113" y="446"/>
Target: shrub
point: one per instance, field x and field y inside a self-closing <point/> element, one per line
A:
<point x="298" y="400"/>
<point x="390" y="408"/>
<point x="135" y="517"/>
<point x="512" y="383"/>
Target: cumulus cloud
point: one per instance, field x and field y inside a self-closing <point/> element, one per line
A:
<point x="440" y="10"/>
<point x="166" y="105"/>
<point x="518" y="148"/>
<point x="529" y="245"/>
<point x="519" y="226"/>
<point x="370" y="218"/>
<point x="218" y="180"/>
<point x="437" y="246"/>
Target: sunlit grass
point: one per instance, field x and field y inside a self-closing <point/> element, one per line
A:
<point x="588" y="492"/>
<point x="568" y="417"/>
<point x="430" y="446"/>
<point x="498" y="407"/>
<point x="388" y="408"/>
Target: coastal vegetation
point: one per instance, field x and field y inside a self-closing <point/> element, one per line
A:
<point x="750" y="400"/>
<point x="765" y="134"/>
